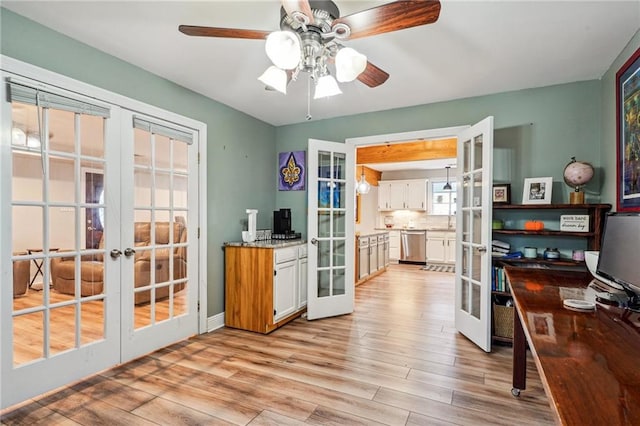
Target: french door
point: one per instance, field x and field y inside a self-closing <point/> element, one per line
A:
<point x="331" y="175"/>
<point x="70" y="306"/>
<point x="473" y="218"/>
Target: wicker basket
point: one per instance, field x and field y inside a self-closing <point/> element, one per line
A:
<point x="503" y="321"/>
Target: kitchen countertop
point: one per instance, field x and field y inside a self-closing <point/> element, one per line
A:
<point x="271" y="244"/>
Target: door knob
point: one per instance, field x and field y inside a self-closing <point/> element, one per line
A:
<point x="482" y="249"/>
<point x="129" y="252"/>
<point x="115" y="253"/>
<point x="314" y="241"/>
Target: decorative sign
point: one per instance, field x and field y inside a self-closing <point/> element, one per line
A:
<point x="574" y="222"/>
<point x="291" y="171"/>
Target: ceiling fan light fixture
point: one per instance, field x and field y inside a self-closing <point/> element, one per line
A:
<point x="275" y="78"/>
<point x="326" y="86"/>
<point x="349" y="64"/>
<point x="283" y="48"/>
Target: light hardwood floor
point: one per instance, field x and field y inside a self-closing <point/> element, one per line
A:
<point x="396" y="360"/>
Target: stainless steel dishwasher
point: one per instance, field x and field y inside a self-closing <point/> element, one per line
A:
<point x="413" y="247"/>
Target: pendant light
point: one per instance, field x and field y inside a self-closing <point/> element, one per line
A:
<point x="447" y="186"/>
<point x="363" y="186"/>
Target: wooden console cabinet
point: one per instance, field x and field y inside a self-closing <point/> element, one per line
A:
<point x="265" y="285"/>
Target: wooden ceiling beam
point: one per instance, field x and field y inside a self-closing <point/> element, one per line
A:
<point x="407" y="151"/>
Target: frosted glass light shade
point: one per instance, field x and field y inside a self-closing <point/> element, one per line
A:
<point x="363" y="187"/>
<point x="283" y="48"/>
<point x="275" y="78"/>
<point x="349" y="64"/>
<point x="326" y="86"/>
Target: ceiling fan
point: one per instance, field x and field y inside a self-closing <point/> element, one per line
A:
<point x="311" y="36"/>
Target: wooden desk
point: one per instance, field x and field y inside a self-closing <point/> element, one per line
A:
<point x="589" y="362"/>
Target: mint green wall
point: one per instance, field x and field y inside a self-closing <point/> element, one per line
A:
<point x="608" y="147"/>
<point x="237" y="145"/>
<point x="543" y="127"/>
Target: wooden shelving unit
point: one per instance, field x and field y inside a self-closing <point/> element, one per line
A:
<point x="597" y="214"/>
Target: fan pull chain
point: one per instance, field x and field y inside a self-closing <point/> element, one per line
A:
<point x="309" y="98"/>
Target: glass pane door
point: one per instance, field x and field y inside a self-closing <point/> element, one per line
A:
<point x="61" y="290"/>
<point x="161" y="297"/>
<point x="330" y="229"/>
<point x="473" y="268"/>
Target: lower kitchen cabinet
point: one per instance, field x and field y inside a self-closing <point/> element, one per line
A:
<point x="265" y="285"/>
<point x="372" y="254"/>
<point x="394" y="245"/>
<point x="441" y="247"/>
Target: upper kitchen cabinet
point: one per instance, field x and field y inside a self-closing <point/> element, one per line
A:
<point x="402" y="195"/>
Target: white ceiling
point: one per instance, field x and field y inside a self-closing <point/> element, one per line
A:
<point x="475" y="48"/>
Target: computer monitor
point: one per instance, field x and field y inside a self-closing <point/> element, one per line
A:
<point x="619" y="253"/>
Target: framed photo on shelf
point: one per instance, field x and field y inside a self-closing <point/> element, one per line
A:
<point x="628" y="134"/>
<point x="502" y="193"/>
<point x="537" y="190"/>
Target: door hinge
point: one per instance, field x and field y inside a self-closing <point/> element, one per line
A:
<point x="198" y="232"/>
<point x="274" y="312"/>
<point x="275" y="272"/>
<point x="198" y="306"/>
<point x="198" y="158"/>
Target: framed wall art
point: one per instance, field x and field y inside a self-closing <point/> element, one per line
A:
<point x="537" y="190"/>
<point x="292" y="171"/>
<point x="628" y="134"/>
<point x="502" y="193"/>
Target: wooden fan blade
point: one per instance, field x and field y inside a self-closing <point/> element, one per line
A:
<point x="191" y="30"/>
<point x="301" y="6"/>
<point x="391" y="17"/>
<point x="373" y="76"/>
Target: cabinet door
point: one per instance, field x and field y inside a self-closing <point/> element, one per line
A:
<point x="373" y="255"/>
<point x="436" y="247"/>
<point x="284" y="289"/>
<point x="302" y="282"/>
<point x="416" y="195"/>
<point x="394" y="245"/>
<point x="384" y="193"/>
<point x="397" y="195"/>
<point x="381" y="254"/>
<point x="450" y="255"/>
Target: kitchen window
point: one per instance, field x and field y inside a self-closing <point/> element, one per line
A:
<point x="442" y="201"/>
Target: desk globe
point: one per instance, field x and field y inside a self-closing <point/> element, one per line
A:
<point x="577" y="174"/>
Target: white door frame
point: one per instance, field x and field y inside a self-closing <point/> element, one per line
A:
<point x="55" y="80"/>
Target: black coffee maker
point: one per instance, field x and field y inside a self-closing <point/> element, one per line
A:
<point x="282" y="222"/>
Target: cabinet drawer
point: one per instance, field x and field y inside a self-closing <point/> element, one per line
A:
<point x="285" y="254"/>
<point x="302" y="251"/>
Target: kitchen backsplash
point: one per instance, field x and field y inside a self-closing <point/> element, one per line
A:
<point x="413" y="219"/>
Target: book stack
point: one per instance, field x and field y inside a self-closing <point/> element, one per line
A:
<point x="499" y="248"/>
<point x="499" y="279"/>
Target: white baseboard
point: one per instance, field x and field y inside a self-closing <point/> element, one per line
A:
<point x="215" y="322"/>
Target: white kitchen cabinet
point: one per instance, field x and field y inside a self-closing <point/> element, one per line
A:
<point x="394" y="245"/>
<point x="302" y="276"/>
<point x="384" y="195"/>
<point x="285" y="282"/>
<point x="402" y="194"/>
<point x="416" y="194"/>
<point x="381" y="251"/>
<point x="450" y="251"/>
<point x="441" y="247"/>
<point x="373" y="254"/>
